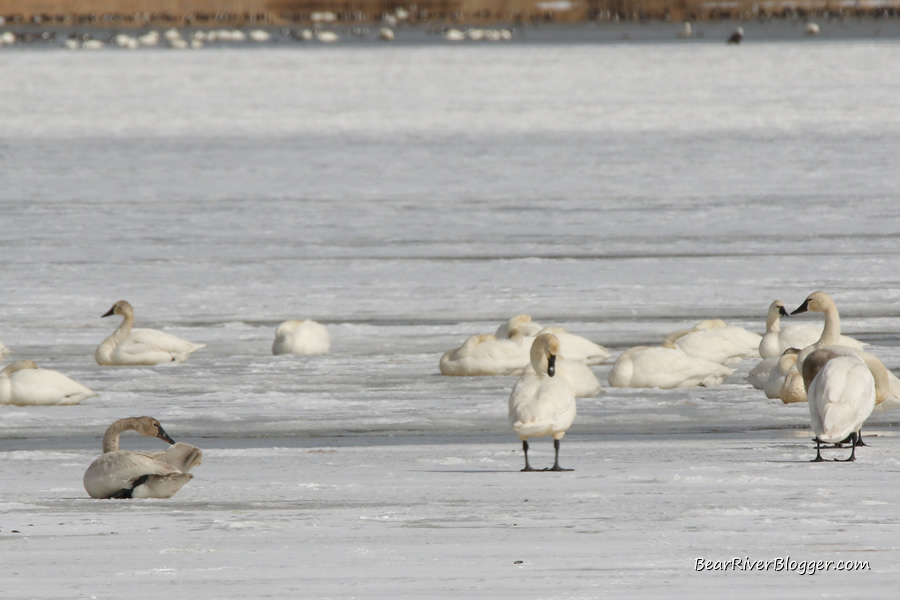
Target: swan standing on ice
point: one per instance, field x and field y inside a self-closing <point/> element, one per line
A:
<point x="541" y="404"/>
<point x="127" y="346"/>
<point x="841" y="395"/>
<point x="778" y="339"/>
<point x="665" y="368"/>
<point x="128" y="474"/>
<point x="301" y="337"/>
<point x="24" y="384"/>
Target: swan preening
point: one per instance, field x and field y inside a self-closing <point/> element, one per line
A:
<point x="301" y="337"/>
<point x="23" y="383"/>
<point x="128" y="346"/>
<point x="129" y="474"/>
<point x="541" y="403"/>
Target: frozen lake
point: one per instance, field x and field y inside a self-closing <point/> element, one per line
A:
<point x="408" y="197"/>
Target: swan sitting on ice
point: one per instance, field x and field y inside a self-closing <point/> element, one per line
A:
<point x="841" y="395"/>
<point x="577" y="348"/>
<point x="665" y="368"/>
<point x="24" y="384"/>
<point x="301" y="337"/>
<point x="128" y="474"/>
<point x="522" y="323"/>
<point x="127" y="346"/>
<point x="777" y="339"/>
<point x="715" y="341"/>
<point x="541" y="404"/>
<point x="484" y="354"/>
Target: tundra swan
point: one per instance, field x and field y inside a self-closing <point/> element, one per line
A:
<point x="666" y="368"/>
<point x="541" y="404"/>
<point x="759" y="374"/>
<point x="128" y="474"/>
<point x="127" y="346"/>
<point x="523" y="323"/>
<point x="24" y="384"/>
<point x="577" y="348"/>
<point x="777" y="339"/>
<point x="301" y="337"/>
<point x="841" y="395"/>
<point x="484" y="354"/>
<point x="716" y="341"/>
<point x="583" y="381"/>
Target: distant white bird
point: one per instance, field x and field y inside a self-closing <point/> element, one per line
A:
<point x="301" y="337"/>
<point x="736" y="36"/>
<point x="128" y="474"/>
<point x="327" y="37"/>
<point x="24" y="384"/>
<point x="665" y="368"/>
<point x="128" y="346"/>
<point x="685" y="31"/>
<point x="386" y="34"/>
<point x="541" y="404"/>
<point x="484" y="354"/>
<point x="714" y="340"/>
<point x="812" y="29"/>
<point x="777" y="339"/>
<point x="841" y="395"/>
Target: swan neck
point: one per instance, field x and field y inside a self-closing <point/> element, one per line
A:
<point x="773" y="322"/>
<point x="111" y="437"/>
<point x="831" y="335"/>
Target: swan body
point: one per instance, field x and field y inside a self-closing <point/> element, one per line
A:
<point x="130" y="346"/>
<point x="777" y="339"/>
<point x="715" y="341"/>
<point x="484" y="354"/>
<point x="577" y="348"/>
<point x="665" y="368"/>
<point x="759" y="374"/>
<point x="583" y="381"/>
<point x="301" y="337"/>
<point x="841" y="394"/>
<point x="128" y="474"/>
<point x="24" y="384"/>
<point x="541" y="403"/>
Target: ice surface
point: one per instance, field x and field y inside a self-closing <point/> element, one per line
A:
<point x="408" y="198"/>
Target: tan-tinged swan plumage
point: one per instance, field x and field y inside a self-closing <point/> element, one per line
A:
<point x="301" y="337"/>
<point x="131" y="346"/>
<point x="129" y="474"/>
<point x="542" y="404"/>
<point x="23" y="383"/>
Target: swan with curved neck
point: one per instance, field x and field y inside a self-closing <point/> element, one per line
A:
<point x="542" y="403"/>
<point x="130" y="346"/>
<point x="800" y="335"/>
<point x="129" y="474"/>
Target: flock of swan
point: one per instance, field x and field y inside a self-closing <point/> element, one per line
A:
<point x="841" y="382"/>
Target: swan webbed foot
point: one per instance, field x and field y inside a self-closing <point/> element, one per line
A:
<point x="558" y="468"/>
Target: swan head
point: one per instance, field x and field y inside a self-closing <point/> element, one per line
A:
<point x="544" y="352"/>
<point x="122" y="307"/>
<point x="815" y="302"/>
<point x="19" y="365"/>
<point x="777" y="308"/>
<point x="152" y="428"/>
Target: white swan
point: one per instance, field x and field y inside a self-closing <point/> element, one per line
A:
<point x="841" y="395"/>
<point x="541" y="404"/>
<point x="24" y="384"/>
<point x="666" y="368"/>
<point x="301" y="337"/>
<point x="759" y="374"/>
<point x="777" y="339"/>
<point x="716" y="341"/>
<point x="127" y="346"/>
<point x="786" y="364"/>
<point x="577" y="348"/>
<point x="484" y="354"/>
<point x="128" y="474"/>
<point x="522" y="323"/>
<point x="583" y="381"/>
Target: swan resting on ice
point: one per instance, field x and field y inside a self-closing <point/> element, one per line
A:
<point x="129" y="474"/>
<point x="541" y="404"/>
<point x="23" y="383"/>
<point x="301" y="337"/>
<point x="129" y="346"/>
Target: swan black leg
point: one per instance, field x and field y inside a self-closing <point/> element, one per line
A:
<point x="525" y="448"/>
<point x="859" y="440"/>
<point x="556" y="466"/>
<point x="852" y="458"/>
<point x="818" y="457"/>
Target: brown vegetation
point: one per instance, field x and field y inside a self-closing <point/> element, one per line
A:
<point x="277" y="12"/>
